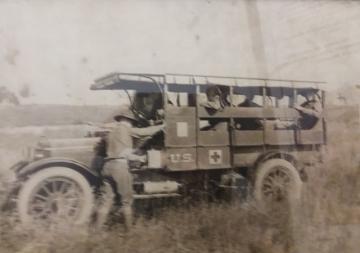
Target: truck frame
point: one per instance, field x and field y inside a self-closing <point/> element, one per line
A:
<point x="200" y="150"/>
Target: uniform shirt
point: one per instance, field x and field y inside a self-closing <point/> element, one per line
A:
<point x="120" y="141"/>
<point x="310" y="113"/>
<point x="213" y="105"/>
<point x="248" y="103"/>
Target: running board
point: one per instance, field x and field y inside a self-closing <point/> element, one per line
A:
<point x="160" y="195"/>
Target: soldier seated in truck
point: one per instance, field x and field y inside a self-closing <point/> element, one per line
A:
<point x="310" y="113"/>
<point x="217" y="100"/>
<point x="248" y="123"/>
<point x="148" y="107"/>
<point x="249" y="101"/>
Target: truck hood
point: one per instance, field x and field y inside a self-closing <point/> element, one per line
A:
<point x="79" y="149"/>
<point x="87" y="142"/>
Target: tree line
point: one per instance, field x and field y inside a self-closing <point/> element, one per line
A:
<point x="8" y="97"/>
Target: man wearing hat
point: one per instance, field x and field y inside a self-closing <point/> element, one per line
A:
<point x="216" y="98"/>
<point x="310" y="111"/>
<point x="120" y="150"/>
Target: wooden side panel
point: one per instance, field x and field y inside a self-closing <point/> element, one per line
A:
<point x="250" y="112"/>
<point x="312" y="136"/>
<point x="248" y="138"/>
<point x="305" y="137"/>
<point x="280" y="137"/>
<point x="245" y="159"/>
<point x="180" y="129"/>
<point x="281" y="113"/>
<point x="215" y="137"/>
<point x="213" y="157"/>
<point x="180" y="159"/>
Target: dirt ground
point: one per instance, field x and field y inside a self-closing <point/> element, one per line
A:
<point x="328" y="219"/>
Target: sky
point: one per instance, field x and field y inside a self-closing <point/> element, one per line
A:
<point x="316" y="39"/>
<point x="60" y="47"/>
<point x="57" y="48"/>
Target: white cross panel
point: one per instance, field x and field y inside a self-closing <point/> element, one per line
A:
<point x="215" y="156"/>
<point x="182" y="129"/>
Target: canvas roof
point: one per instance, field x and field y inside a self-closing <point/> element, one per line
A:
<point x="150" y="82"/>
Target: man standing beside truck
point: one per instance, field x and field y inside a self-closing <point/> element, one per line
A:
<point x="119" y="151"/>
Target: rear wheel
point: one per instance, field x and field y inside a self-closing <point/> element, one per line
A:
<point x="56" y="194"/>
<point x="277" y="182"/>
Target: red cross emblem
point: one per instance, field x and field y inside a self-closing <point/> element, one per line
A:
<point x="215" y="157"/>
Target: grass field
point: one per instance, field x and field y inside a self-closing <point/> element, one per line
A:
<point x="327" y="221"/>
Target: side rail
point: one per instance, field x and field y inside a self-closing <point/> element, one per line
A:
<point x="261" y="113"/>
<point x="275" y="126"/>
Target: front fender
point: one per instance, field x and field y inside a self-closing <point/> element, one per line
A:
<point x="18" y="166"/>
<point x="277" y="154"/>
<point x="24" y="169"/>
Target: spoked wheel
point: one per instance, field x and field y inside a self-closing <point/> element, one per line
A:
<point x="277" y="182"/>
<point x="56" y="195"/>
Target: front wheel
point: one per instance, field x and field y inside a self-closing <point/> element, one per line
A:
<point x="277" y="182"/>
<point x="56" y="194"/>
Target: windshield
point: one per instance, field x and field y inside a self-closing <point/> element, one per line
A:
<point x="146" y="105"/>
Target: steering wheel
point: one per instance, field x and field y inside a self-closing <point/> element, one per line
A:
<point x="140" y="115"/>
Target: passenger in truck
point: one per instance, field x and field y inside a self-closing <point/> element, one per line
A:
<point x="216" y="102"/>
<point x="248" y="123"/>
<point x="249" y="101"/>
<point x="310" y="111"/>
<point x="216" y="99"/>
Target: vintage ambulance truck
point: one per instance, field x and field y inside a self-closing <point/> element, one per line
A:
<point x="221" y="134"/>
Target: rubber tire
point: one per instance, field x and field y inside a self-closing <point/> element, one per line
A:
<point x="36" y="178"/>
<point x="266" y="167"/>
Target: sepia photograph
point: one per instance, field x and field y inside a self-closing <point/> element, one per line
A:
<point x="198" y="126"/>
